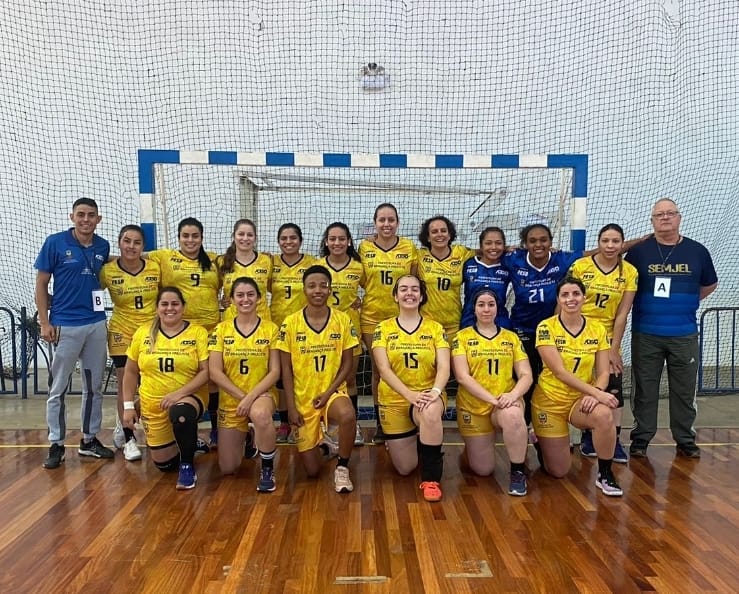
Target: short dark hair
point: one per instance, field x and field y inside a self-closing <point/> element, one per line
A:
<point x="317" y="269"/>
<point x="85" y="202"/>
<point x="570" y="280"/>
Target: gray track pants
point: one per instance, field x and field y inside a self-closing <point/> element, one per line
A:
<point x="88" y="345"/>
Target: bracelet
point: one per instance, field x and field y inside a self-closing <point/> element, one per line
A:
<point x="128" y="405"/>
<point x="437" y="390"/>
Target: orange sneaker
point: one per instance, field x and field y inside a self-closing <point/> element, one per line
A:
<point x="431" y="490"/>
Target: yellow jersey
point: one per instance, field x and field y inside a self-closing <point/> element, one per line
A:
<point x="259" y="269"/>
<point x="173" y="362"/>
<point x="604" y="290"/>
<point x="199" y="288"/>
<point x="578" y="355"/>
<point x="381" y="271"/>
<point x="345" y="283"/>
<point x="443" y="280"/>
<point x="245" y="358"/>
<point x="287" y="286"/>
<point x="315" y="354"/>
<point x="490" y="361"/>
<point x="412" y="356"/>
<point x="134" y="298"/>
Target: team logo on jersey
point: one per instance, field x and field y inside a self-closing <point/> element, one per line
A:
<point x="370" y="255"/>
<point x="152" y="279"/>
<point x="474" y="342"/>
<point x="300" y="337"/>
<point x="592" y="341"/>
<point x="428" y="260"/>
<point x="588" y="276"/>
<point x="402" y="256"/>
<point x="189" y="342"/>
<point x="544" y="334"/>
<point x="262" y="341"/>
<point x="542" y="418"/>
<point x="335" y="336"/>
<point x="560" y="341"/>
<point x="117" y="281"/>
<point x="472" y="269"/>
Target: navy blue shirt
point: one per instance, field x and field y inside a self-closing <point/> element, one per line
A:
<point x="75" y="270"/>
<point x="688" y="266"/>
<point x="476" y="276"/>
<point x="535" y="290"/>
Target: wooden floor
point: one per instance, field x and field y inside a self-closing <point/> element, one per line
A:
<point x="94" y="526"/>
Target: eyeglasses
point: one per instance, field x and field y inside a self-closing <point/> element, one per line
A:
<point x="668" y="214"/>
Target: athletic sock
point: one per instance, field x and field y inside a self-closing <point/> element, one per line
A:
<point x="604" y="466"/>
<point x="283" y="417"/>
<point x="518" y="467"/>
<point x="213" y="409"/>
<point x="342" y="461"/>
<point x="268" y="458"/>
<point x="432" y="462"/>
<point x="128" y="433"/>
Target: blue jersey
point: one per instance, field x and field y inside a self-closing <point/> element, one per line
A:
<point x="75" y="270"/>
<point x="675" y="273"/>
<point x="476" y="276"/>
<point x="534" y="289"/>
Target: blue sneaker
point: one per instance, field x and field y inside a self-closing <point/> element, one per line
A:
<point x="586" y="445"/>
<point x="619" y="453"/>
<point x="517" y="486"/>
<point x="266" y="482"/>
<point x="187" y="477"/>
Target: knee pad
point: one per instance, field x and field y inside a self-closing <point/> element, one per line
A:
<point x="183" y="413"/>
<point x="170" y="465"/>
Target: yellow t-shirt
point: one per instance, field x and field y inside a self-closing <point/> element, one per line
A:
<point x="134" y="298"/>
<point x="412" y="356"/>
<point x="245" y="358"/>
<point x="578" y="355"/>
<point x="604" y="290"/>
<point x="173" y="362"/>
<point x="287" y="286"/>
<point x="315" y="355"/>
<point x="259" y="269"/>
<point x="490" y="361"/>
<point x="199" y="288"/>
<point x="443" y="280"/>
<point x="381" y="270"/>
<point x="345" y="283"/>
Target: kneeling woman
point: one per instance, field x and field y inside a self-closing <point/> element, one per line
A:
<point x="245" y="364"/>
<point x="412" y="358"/>
<point x="171" y="358"/>
<point x="316" y="346"/>
<point x="572" y="386"/>
<point x="493" y="372"/>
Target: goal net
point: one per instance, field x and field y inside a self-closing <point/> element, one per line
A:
<point x="645" y="88"/>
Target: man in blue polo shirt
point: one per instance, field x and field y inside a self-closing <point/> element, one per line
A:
<point x="75" y="325"/>
<point x="675" y="274"/>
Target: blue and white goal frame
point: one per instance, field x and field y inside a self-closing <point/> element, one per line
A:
<point x="148" y="158"/>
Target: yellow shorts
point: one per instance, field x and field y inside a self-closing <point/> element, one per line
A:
<point x="551" y="424"/>
<point x="118" y="343"/>
<point x="157" y="426"/>
<point x="310" y="434"/>
<point x="396" y="418"/>
<point x="227" y="417"/>
<point x="472" y="424"/>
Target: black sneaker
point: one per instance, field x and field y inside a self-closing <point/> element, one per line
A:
<point x="688" y="450"/>
<point x="250" y="450"/>
<point x="95" y="449"/>
<point x="638" y="449"/>
<point x="55" y="457"/>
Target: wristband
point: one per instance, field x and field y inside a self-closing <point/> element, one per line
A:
<point x="128" y="405"/>
<point x="435" y="389"/>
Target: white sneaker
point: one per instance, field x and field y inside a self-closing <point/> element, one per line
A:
<point x="358" y="437"/>
<point x="329" y="447"/>
<point x="342" y="482"/>
<point x="119" y="438"/>
<point x="131" y="451"/>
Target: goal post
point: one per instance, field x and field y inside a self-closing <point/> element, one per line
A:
<point x="149" y="159"/>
